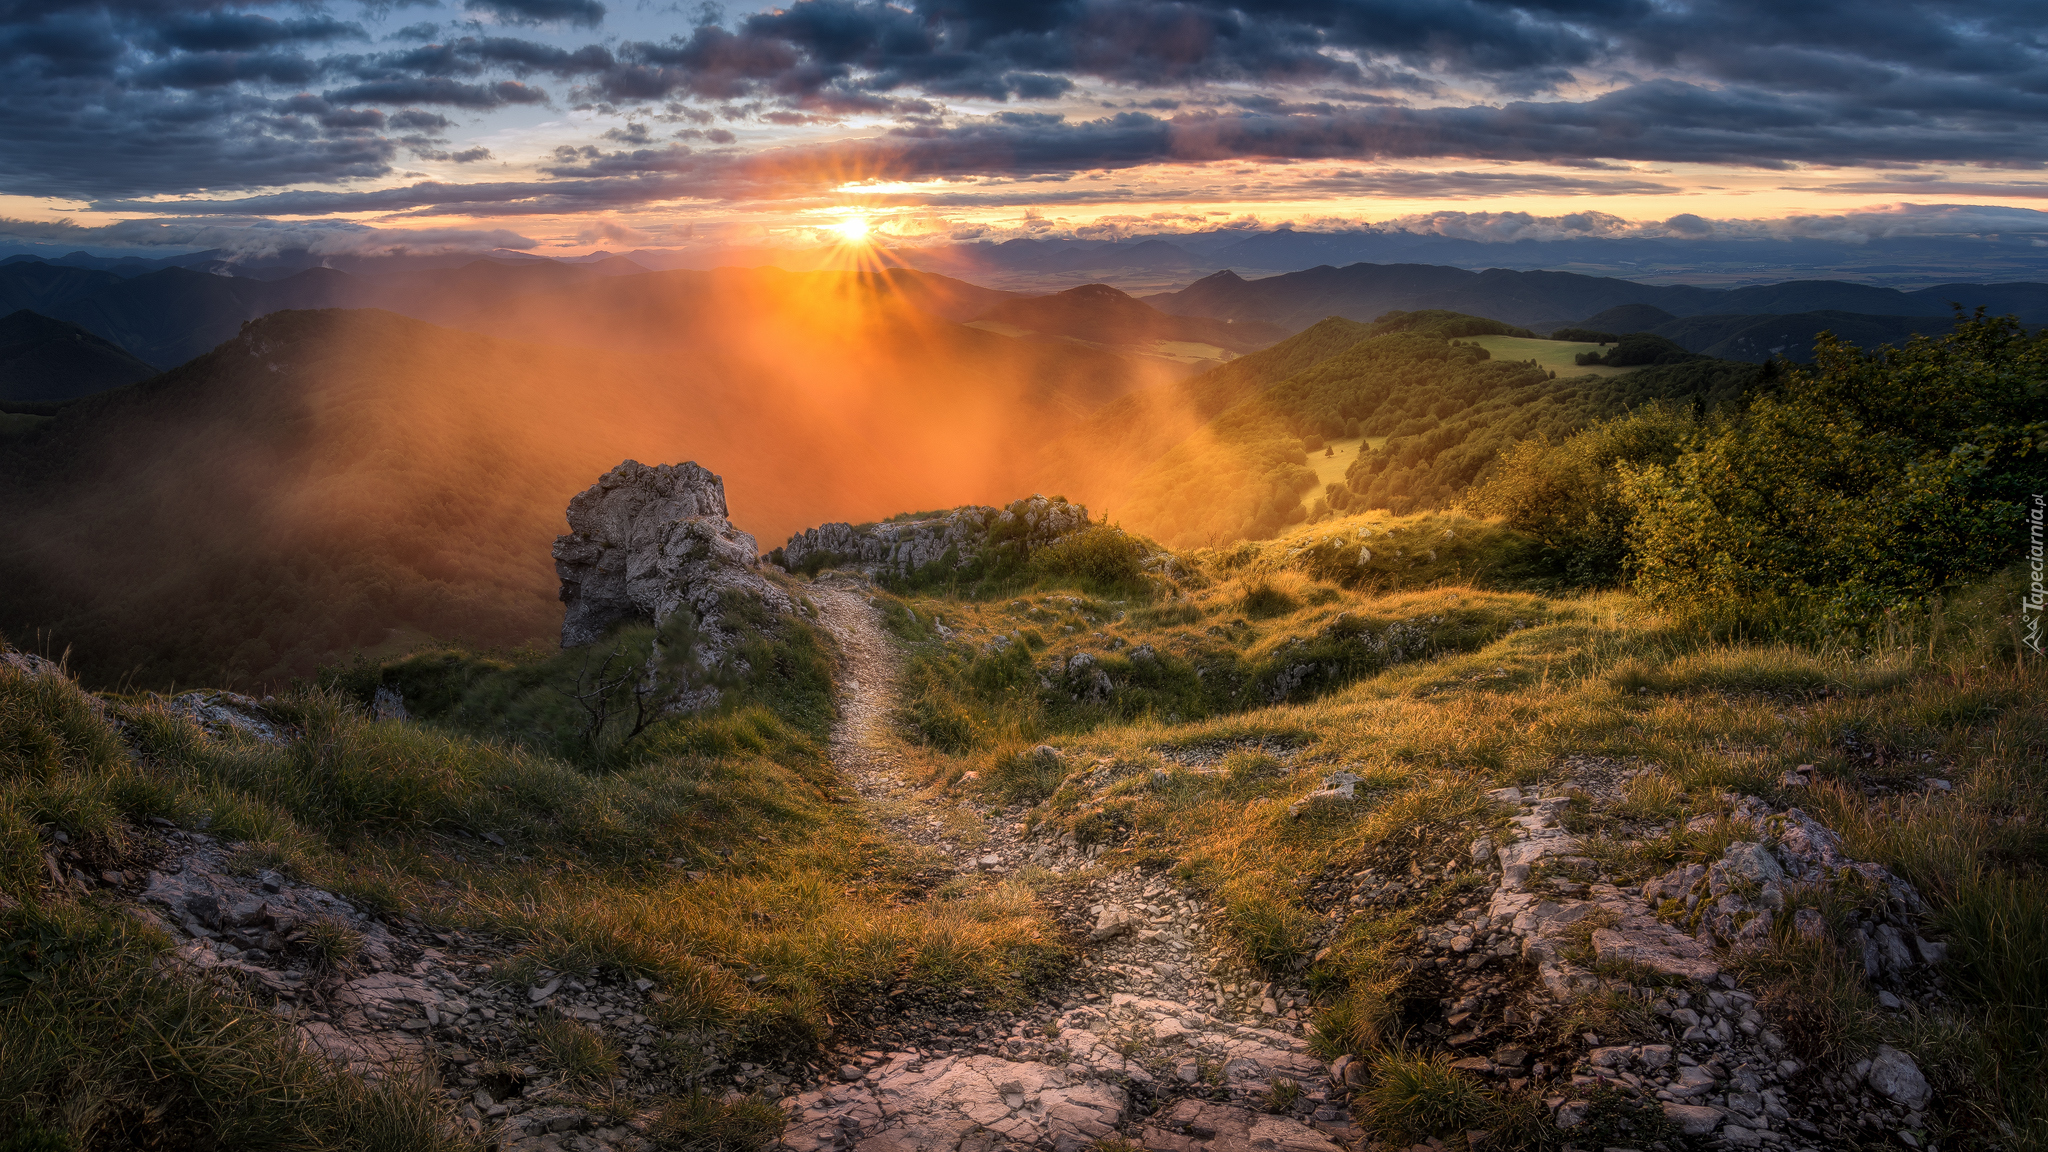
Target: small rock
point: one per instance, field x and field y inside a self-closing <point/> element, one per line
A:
<point x="536" y="995"/>
<point x="1895" y="1076"/>
<point x="1692" y="1119"/>
<point x="849" y="1073"/>
<point x="1113" y="921"/>
<point x="1751" y="861"/>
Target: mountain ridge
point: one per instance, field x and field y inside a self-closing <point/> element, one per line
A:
<point x="1546" y="299"/>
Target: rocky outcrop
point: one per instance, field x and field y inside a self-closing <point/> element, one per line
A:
<point x="957" y="540"/>
<point x="644" y="543"/>
<point x="230" y="714"/>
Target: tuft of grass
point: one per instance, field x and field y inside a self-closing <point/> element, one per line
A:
<point x="1280" y="1098"/>
<point x="699" y="1123"/>
<point x="333" y="944"/>
<point x="1024" y="775"/>
<point x="1415" y="1096"/>
<point x="1263" y="600"/>
<point x="576" y="1051"/>
<point x="49" y="726"/>
<point x="1650" y="796"/>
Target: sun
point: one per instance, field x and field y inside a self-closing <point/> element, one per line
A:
<point x="852" y="230"/>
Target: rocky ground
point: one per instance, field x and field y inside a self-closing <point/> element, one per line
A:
<point x="1157" y="1036"/>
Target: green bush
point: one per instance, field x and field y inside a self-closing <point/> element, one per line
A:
<point x="1638" y="349"/>
<point x="1569" y="495"/>
<point x="1861" y="485"/>
<point x="1099" y="557"/>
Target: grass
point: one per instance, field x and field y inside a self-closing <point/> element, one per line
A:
<point x="1430" y="695"/>
<point x="575" y="1051"/>
<point x="1551" y="355"/>
<point x="101" y="1048"/>
<point x="1413" y="1097"/>
<point x="714" y="849"/>
<point x="1195" y="770"/>
<point x="698" y="1123"/>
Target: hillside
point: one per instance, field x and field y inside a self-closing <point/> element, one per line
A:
<point x="1373" y="835"/>
<point x="1432" y="413"/>
<point x="45" y="359"/>
<point x="335" y="480"/>
<point x="1095" y="462"/>
<point x="1546" y="300"/>
<point x="1243" y="472"/>
<point x="1438" y="444"/>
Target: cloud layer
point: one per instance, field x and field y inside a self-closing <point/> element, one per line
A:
<point x="119" y="101"/>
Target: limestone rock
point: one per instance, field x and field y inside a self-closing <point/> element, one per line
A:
<point x="227" y="715"/>
<point x="960" y="1102"/>
<point x="30" y="664"/>
<point x="1693" y="1119"/>
<point x="646" y="542"/>
<point x="1113" y="921"/>
<point x="1337" y="788"/>
<point x="1895" y="1076"/>
<point x="1199" y="1126"/>
<point x="898" y="548"/>
<point x="388" y="704"/>
<point x="1751" y="862"/>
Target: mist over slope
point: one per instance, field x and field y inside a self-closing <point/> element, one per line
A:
<point x="336" y="480"/>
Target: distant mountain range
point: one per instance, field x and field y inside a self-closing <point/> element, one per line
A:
<point x="1161" y="260"/>
<point x="169" y="315"/>
<point x="172" y="314"/>
<point x="1545" y="301"/>
<point x="166" y="315"/>
<point x="1758" y="338"/>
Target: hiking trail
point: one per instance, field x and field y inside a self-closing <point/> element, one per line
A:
<point x="1157" y="1036"/>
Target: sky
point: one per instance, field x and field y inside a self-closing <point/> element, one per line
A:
<point x="564" y="126"/>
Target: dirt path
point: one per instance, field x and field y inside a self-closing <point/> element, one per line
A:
<point x="1157" y="1037"/>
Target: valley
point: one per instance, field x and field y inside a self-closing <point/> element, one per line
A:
<point x="1376" y="735"/>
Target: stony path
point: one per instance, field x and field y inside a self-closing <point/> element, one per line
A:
<point x="1156" y="1038"/>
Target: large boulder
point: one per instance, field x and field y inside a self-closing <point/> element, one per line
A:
<point x="645" y="542"/>
<point x="958" y="539"/>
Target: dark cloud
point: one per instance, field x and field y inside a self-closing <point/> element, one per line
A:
<point x="583" y="13"/>
<point x="117" y="99"/>
<point x="440" y="90"/>
<point x="247" y="32"/>
<point x="258" y="237"/>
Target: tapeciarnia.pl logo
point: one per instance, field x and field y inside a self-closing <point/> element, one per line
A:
<point x="2037" y="560"/>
